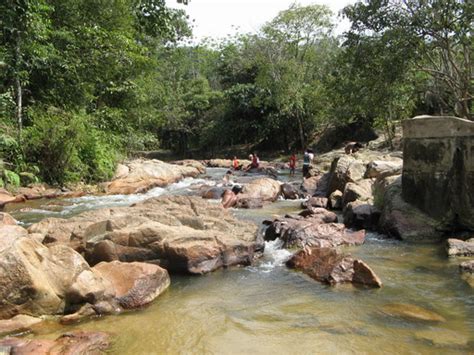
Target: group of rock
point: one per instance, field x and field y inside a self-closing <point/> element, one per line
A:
<point x="114" y="259"/>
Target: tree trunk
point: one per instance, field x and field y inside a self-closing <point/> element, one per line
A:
<point x="18" y="90"/>
<point x="300" y="128"/>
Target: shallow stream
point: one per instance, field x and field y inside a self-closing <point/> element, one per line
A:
<point x="269" y="309"/>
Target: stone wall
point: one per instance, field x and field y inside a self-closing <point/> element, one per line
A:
<point x="438" y="168"/>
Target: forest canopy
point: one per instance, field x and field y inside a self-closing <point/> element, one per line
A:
<point x="84" y="83"/>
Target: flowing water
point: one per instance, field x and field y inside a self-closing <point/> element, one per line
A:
<point x="269" y="309"/>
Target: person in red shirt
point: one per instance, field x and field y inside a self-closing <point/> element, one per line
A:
<point x="235" y="164"/>
<point x="292" y="164"/>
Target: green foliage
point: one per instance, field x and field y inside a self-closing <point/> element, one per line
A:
<point x="68" y="147"/>
<point x="11" y="178"/>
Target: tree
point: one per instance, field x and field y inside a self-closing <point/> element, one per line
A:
<point x="436" y="36"/>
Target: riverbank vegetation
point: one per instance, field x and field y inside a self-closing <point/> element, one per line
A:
<point x="84" y="83"/>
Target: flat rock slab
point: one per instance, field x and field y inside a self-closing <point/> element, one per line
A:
<point x="412" y="312"/>
<point x="73" y="343"/>
<point x="18" y="324"/>
<point x="181" y="233"/>
<point x="329" y="266"/>
<point x="443" y="338"/>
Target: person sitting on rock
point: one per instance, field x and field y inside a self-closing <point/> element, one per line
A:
<point x="254" y="162"/>
<point x="352" y="147"/>
<point x="235" y="164"/>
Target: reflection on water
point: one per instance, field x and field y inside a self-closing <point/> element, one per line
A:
<point x="270" y="309"/>
<point x="267" y="308"/>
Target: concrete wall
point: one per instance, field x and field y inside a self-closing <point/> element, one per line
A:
<point x="438" y="168"/>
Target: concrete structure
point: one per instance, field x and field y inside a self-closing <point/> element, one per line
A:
<point x="438" y="169"/>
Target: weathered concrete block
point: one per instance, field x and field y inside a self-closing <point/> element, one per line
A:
<point x="438" y="168"/>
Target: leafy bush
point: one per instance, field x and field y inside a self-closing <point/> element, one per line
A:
<point x="67" y="147"/>
<point x="11" y="178"/>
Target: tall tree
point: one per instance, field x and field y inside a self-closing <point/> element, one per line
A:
<point x="435" y="34"/>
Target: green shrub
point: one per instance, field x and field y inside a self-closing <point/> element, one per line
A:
<point x="67" y="147"/>
<point x="11" y="178"/>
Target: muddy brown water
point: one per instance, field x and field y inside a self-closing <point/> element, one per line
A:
<point x="269" y="309"/>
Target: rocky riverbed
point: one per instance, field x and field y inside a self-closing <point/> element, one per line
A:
<point x="106" y="254"/>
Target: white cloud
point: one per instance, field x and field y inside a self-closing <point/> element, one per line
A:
<point x="218" y="18"/>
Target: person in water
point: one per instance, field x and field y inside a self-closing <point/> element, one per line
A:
<point x="292" y="164"/>
<point x="229" y="197"/>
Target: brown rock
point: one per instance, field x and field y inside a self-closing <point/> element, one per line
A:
<point x="311" y="184"/>
<point x="343" y="170"/>
<point x="412" y="312"/>
<point x="79" y="342"/>
<point x="265" y="189"/>
<point x="134" y="284"/>
<point x="213" y="193"/>
<point x="6" y="219"/>
<point x="362" y="191"/>
<point x="18" y="324"/>
<point x="384" y="168"/>
<point x="319" y="215"/>
<point x="467" y="266"/>
<point x="364" y="275"/>
<point x="312" y="231"/>
<point x="315" y="202"/>
<point x="192" y="164"/>
<point x="186" y="234"/>
<point x="328" y="266"/>
<point x="146" y="174"/>
<point x="456" y="247"/>
<point x="289" y="192"/>
<point x="335" y="200"/>
<point x="401" y="220"/>
<point x="360" y="215"/>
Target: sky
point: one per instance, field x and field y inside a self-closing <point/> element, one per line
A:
<point x="219" y="18"/>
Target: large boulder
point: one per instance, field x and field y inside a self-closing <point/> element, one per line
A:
<point x="77" y="342"/>
<point x="135" y="284"/>
<point x="315" y="201"/>
<point x="312" y="230"/>
<point x="265" y="189"/>
<point x="335" y="200"/>
<point x="329" y="266"/>
<point x="343" y="170"/>
<point x="144" y="175"/>
<point x="192" y="164"/>
<point x="37" y="280"/>
<point x="290" y="192"/>
<point x="225" y="163"/>
<point x="359" y="214"/>
<point x="182" y="233"/>
<point x="361" y="191"/>
<point x="33" y="278"/>
<point x="384" y="168"/>
<point x="6" y="219"/>
<point x="457" y="247"/>
<point x="400" y="219"/>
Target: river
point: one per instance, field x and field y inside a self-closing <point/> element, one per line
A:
<point x="269" y="309"/>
